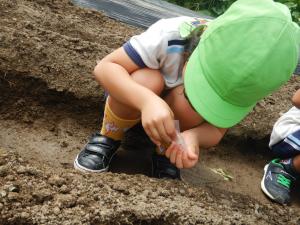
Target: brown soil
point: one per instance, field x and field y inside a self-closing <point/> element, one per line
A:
<point x="49" y="105"/>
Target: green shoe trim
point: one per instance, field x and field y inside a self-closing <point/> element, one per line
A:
<point x="284" y="181"/>
<point x="276" y="161"/>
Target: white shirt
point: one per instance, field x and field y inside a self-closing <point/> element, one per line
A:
<point x="288" y="123"/>
<point x="161" y="47"/>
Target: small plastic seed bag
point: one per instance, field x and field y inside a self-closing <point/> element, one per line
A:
<point x="178" y="139"/>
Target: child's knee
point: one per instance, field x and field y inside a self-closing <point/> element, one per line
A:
<point x="149" y="78"/>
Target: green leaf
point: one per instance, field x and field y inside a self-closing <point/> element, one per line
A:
<point x="291" y="5"/>
<point x="221" y="172"/>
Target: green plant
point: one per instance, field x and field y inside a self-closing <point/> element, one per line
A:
<point x="294" y="6"/>
<point x="218" y="7"/>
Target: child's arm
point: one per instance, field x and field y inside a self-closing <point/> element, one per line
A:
<point x="208" y="135"/>
<point x="113" y="73"/>
<point x="296" y="99"/>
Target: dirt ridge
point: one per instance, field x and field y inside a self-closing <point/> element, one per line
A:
<point x="31" y="195"/>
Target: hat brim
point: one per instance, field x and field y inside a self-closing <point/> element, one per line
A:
<point x="206" y="101"/>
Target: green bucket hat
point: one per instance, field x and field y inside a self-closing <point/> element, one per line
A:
<point x="243" y="56"/>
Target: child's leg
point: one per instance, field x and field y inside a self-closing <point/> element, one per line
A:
<point x="114" y="126"/>
<point x="149" y="78"/>
<point x="288" y="150"/>
<point x="280" y="173"/>
<point x="296" y="163"/>
<point x="118" y="117"/>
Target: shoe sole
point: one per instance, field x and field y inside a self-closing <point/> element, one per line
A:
<point x="262" y="183"/>
<point x="83" y="169"/>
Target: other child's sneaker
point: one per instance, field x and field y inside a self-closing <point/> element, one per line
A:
<point x="96" y="154"/>
<point x="163" y="168"/>
<point x="276" y="182"/>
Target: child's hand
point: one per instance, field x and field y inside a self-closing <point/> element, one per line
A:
<point x="184" y="158"/>
<point x="157" y="120"/>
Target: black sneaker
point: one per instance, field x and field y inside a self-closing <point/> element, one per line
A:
<point x="163" y="168"/>
<point x="96" y="154"/>
<point x="276" y="183"/>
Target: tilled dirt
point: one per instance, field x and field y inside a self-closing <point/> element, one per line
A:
<point x="36" y="195"/>
<point x="50" y="104"/>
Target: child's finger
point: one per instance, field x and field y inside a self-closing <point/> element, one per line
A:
<point x="162" y="133"/>
<point x="192" y="155"/>
<point x="170" y="128"/>
<point x="190" y="159"/>
<point x="179" y="163"/>
<point x="157" y="143"/>
<point x="148" y="132"/>
<point x="154" y="135"/>
<point x="169" y="150"/>
<point x="173" y="155"/>
<point x="185" y="159"/>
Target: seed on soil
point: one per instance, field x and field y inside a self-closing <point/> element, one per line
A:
<point x="14" y="188"/>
